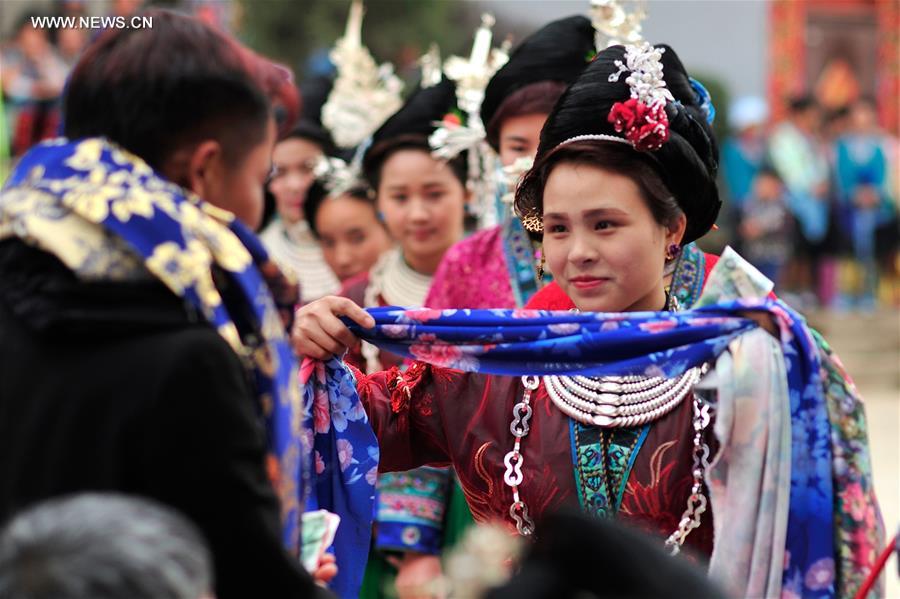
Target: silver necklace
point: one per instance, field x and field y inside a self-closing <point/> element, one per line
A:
<point x="618" y="401"/>
<point x="615" y="401"/>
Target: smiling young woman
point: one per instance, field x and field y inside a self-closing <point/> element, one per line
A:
<point x="517" y="101"/>
<point x="624" y="176"/>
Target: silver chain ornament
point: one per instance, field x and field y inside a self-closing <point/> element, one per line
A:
<point x="519" y="427"/>
<point x="697" y="502"/>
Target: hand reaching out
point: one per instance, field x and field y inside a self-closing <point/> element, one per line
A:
<point x="318" y="331"/>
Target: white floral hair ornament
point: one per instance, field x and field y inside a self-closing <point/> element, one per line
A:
<point x="336" y="176"/>
<point x="642" y="118"/>
<point x="364" y="94"/>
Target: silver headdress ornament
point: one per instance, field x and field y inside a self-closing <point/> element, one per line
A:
<point x="336" y="175"/>
<point x="473" y="74"/>
<point x="364" y="94"/>
<point x="512" y="174"/>
<point x="431" y="67"/>
<point x="642" y="117"/>
<point x="617" y="22"/>
<point x="451" y="137"/>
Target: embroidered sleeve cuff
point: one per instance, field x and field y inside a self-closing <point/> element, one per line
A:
<point x="411" y="508"/>
<point x="396" y="536"/>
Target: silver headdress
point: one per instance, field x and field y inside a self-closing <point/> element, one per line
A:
<point x="430" y="63"/>
<point x="471" y="76"/>
<point x="364" y="94"/>
<point x="617" y="21"/>
<point x="336" y="175"/>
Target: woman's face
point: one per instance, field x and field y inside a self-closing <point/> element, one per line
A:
<point x="520" y="136"/>
<point x="293" y="160"/>
<point x="351" y="235"/>
<point x="423" y="203"/>
<point x="601" y="241"/>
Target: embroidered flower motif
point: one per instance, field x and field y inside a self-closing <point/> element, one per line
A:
<point x="372" y="475"/>
<point x="170" y="263"/>
<point x="854" y="501"/>
<point x="423" y="315"/>
<point x="658" y="326"/>
<point x="820" y="575"/>
<point x="228" y="250"/>
<point x="321" y="413"/>
<point x="396" y="331"/>
<point x="90" y="201"/>
<point x="320" y="463"/>
<point x="410" y="535"/>
<point x="136" y="203"/>
<point x="346" y="410"/>
<point x="439" y="354"/>
<point x="87" y="154"/>
<point x="345" y="453"/>
<point x="565" y="328"/>
<point x="451" y="119"/>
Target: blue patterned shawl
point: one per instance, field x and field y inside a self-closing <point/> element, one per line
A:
<point x="519" y="342"/>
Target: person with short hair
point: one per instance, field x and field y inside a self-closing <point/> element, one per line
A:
<point x="143" y="347"/>
<point x="103" y="546"/>
<point x="766" y="226"/>
<point x="796" y="152"/>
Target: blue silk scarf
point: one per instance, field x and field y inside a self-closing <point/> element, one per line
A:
<point x="520" y="342"/>
<point x="71" y="197"/>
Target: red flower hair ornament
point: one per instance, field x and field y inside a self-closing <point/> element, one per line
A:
<point x="641" y="119"/>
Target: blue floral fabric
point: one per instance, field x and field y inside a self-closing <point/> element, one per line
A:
<point x="106" y="214"/>
<point x="520" y="342"/>
<point x="344" y="456"/>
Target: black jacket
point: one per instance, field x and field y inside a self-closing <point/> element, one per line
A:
<point x="121" y="387"/>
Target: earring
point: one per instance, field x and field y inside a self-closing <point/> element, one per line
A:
<point x="532" y="223"/>
<point x="672" y="251"/>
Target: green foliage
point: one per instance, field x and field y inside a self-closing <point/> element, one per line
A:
<point x="394" y="30"/>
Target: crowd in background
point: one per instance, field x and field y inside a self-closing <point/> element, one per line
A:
<point x="810" y="200"/>
<point x="813" y="201"/>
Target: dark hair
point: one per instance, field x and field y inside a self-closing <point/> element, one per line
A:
<point x="535" y="98"/>
<point x="381" y="151"/>
<point x="800" y="104"/>
<point x="27" y="21"/>
<point x="836" y="115"/>
<point x="607" y="155"/>
<point x="153" y="91"/>
<point x="686" y="163"/>
<point x="315" y="92"/>
<point x="767" y="170"/>
<point x="312" y="132"/>
<point x="318" y="195"/>
<point x="410" y="127"/>
<point x="558" y="51"/>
